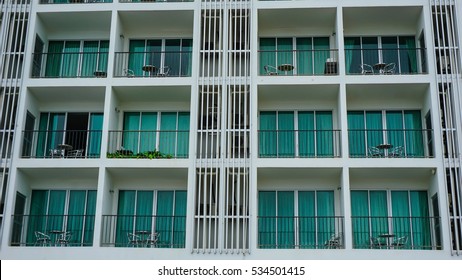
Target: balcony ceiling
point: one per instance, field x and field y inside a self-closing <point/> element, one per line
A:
<point x="157" y="23"/>
<point x="47" y="95"/>
<point x="275" y="175"/>
<point x="153" y="94"/>
<point x="311" y="20"/>
<point x="77" y="22"/>
<point x="381" y="20"/>
<point x="391" y="177"/>
<point x="298" y="93"/>
<point x="386" y="94"/>
<point x="64" y="177"/>
<point x="149" y="176"/>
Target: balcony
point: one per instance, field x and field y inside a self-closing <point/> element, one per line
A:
<point x="148" y="144"/>
<point x="299" y="143"/>
<point x="298" y="62"/>
<point x="70" y="65"/>
<point x="390" y="143"/>
<point x="73" y="1"/>
<point x="68" y="144"/>
<point x="52" y="230"/>
<point x="153" y="64"/>
<point x="385" y="61"/>
<point x="409" y="233"/>
<point x="300" y="232"/>
<point x="143" y="231"/>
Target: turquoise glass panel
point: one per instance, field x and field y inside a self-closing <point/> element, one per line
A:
<point x="37" y="218"/>
<point x="321" y="54"/>
<point x="183" y="135"/>
<point x="401" y="213"/>
<point x="148" y="132"/>
<point x="267" y="53"/>
<point x="89" y="218"/>
<point x="360" y="221"/>
<point x="421" y="224"/>
<point x="286" y="134"/>
<point x="131" y="131"/>
<point x="179" y="220"/>
<point x="186" y="57"/>
<point x="353" y="55"/>
<point x="268" y="135"/>
<point x="144" y="207"/>
<point x="305" y="56"/>
<point x="285" y="53"/>
<point x="267" y="219"/>
<point x="306" y="132"/>
<point x="407" y="54"/>
<point x="370" y="50"/>
<point x="307" y="219"/>
<point x="168" y="127"/>
<point x="374" y="127"/>
<point x="324" y="134"/>
<point x="173" y="56"/>
<point x="164" y="218"/>
<point x="95" y="134"/>
<point x="285" y="220"/>
<point x="125" y="217"/>
<point x="136" y="56"/>
<point x="54" y="58"/>
<point x="326" y="215"/>
<point x="89" y="58"/>
<point x="356" y="139"/>
<point x="413" y="134"/>
<point x="71" y="56"/>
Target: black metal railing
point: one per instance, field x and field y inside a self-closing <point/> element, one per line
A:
<point x="299" y="143"/>
<point x="70" y="65"/>
<point x="153" y="64"/>
<point x="148" y="144"/>
<point x="301" y="232"/>
<point x="411" y="233"/>
<point x="387" y="143"/>
<point x="385" y="61"/>
<point x="52" y="230"/>
<point x="298" y="62"/>
<point x="143" y="231"/>
<point x="61" y="144"/>
<point x="73" y="1"/>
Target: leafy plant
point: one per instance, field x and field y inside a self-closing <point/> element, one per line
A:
<point x="148" y="155"/>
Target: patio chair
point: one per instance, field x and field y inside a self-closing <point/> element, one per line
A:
<point x="396" y="152"/>
<point x="63" y="239"/>
<point x="75" y="153"/>
<point x="270" y="70"/>
<point x="389" y="68"/>
<point x="129" y="73"/>
<point x="374" y="152"/>
<point x="151" y="241"/>
<point x="376" y="244"/>
<point x="134" y="240"/>
<point x="56" y="153"/>
<point x="333" y="242"/>
<point x="400" y="242"/>
<point x="366" y="69"/>
<point x="41" y="239"/>
<point x="163" y="71"/>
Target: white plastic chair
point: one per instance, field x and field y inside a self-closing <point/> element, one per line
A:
<point x="400" y="242"/>
<point x="389" y="68"/>
<point x="375" y="243"/>
<point x="75" y="153"/>
<point x="64" y="239"/>
<point x="396" y="152"/>
<point x="41" y="239"/>
<point x="333" y="242"/>
<point x="163" y="71"/>
<point x="129" y="73"/>
<point x="151" y="241"/>
<point x="366" y="69"/>
<point x="133" y="240"/>
<point x="374" y="152"/>
<point x="270" y="70"/>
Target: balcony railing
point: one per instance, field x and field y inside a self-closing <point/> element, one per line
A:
<point x="73" y="1"/>
<point x="390" y="143"/>
<point x="148" y="144"/>
<point x="61" y="144"/>
<point x="153" y="64"/>
<point x="52" y="230"/>
<point x="299" y="62"/>
<point x="143" y="231"/>
<point x="70" y="65"/>
<point x="411" y="233"/>
<point x="300" y="232"/>
<point x="299" y="143"/>
<point x="386" y="61"/>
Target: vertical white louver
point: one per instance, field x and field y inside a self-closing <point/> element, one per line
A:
<point x="447" y="54"/>
<point x="221" y="223"/>
<point x="14" y="16"/>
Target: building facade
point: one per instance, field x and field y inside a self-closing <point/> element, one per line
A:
<point x="176" y="129"/>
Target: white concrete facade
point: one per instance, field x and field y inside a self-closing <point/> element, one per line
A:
<point x="227" y="170"/>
